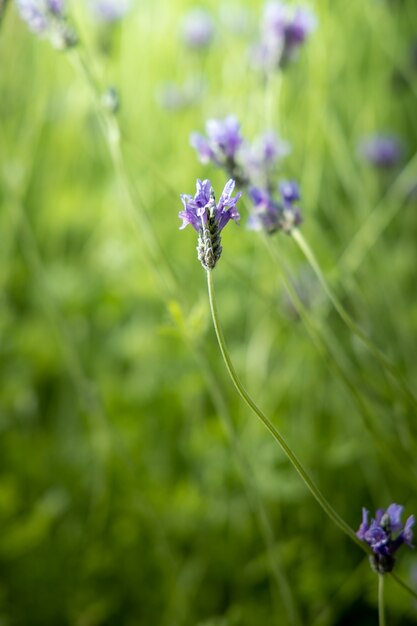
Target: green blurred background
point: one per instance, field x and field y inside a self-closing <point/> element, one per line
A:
<point x="135" y="488"/>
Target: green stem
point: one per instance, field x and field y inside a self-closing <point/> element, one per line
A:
<point x="322" y="342"/>
<point x="133" y="204"/>
<point x="254" y="496"/>
<point x="302" y="472"/>
<point x="350" y="323"/>
<point x="381" y="608"/>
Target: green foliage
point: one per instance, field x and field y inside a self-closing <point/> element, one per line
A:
<point x="135" y="488"/>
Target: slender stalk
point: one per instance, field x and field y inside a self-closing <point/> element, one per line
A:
<point x="381" y="607"/>
<point x="350" y="323"/>
<point x="253" y="493"/>
<point x="323" y="344"/>
<point x="302" y="472"/>
<point x="133" y="204"/>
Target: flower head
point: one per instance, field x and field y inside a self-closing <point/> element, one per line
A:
<point x="284" y="31"/>
<point x="209" y="218"/>
<point x="266" y="213"/>
<point x="261" y="158"/>
<point x="109" y="11"/>
<point x="270" y="215"/>
<point x="222" y="142"/>
<point x="197" y="29"/>
<point x="46" y="18"/>
<point x="221" y="146"/>
<point x="385" y="535"/>
<point x="383" y="151"/>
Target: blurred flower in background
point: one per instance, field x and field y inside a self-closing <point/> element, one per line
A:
<point x="47" y="18"/>
<point x="284" y="30"/>
<point x="197" y="29"/>
<point x="262" y="157"/>
<point x="383" y="151"/>
<point x="109" y="10"/>
<point x="270" y="215"/>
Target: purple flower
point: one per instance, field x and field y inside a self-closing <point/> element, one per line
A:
<point x="109" y="11"/>
<point x="270" y="215"/>
<point x="46" y="18"/>
<point x="221" y="146"/>
<point x="383" y="151"/>
<point x="289" y="191"/>
<point x="222" y="142"/>
<point x="385" y="535"/>
<point x="36" y="12"/>
<point x="299" y="27"/>
<point x="266" y="213"/>
<point x="209" y="218"/>
<point x="198" y="29"/>
<point x="261" y="158"/>
<point x="284" y="32"/>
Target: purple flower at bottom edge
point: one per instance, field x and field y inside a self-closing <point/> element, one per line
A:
<point x="385" y="535"/>
<point x="209" y="218"/>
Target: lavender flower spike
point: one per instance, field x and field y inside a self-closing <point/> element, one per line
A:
<point x="209" y="218"/>
<point x="221" y="146"/>
<point x="46" y="18"/>
<point x="222" y="142"/>
<point x="385" y="535"/>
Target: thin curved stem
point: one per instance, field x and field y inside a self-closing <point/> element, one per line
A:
<point x="302" y="472"/>
<point x="324" y="347"/>
<point x="346" y="318"/>
<point x="381" y="606"/>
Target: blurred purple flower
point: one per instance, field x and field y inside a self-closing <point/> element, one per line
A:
<point x="209" y="218"/>
<point x="270" y="215"/>
<point x="289" y="191"/>
<point x="109" y="10"/>
<point x="46" y="18"/>
<point x="262" y="156"/>
<point x="383" y="151"/>
<point x="197" y="28"/>
<point x="37" y="13"/>
<point x="283" y="33"/>
<point x="385" y="535"/>
<point x="266" y="212"/>
<point x="221" y="145"/>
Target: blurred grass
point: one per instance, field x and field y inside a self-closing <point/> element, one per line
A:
<point x="122" y="496"/>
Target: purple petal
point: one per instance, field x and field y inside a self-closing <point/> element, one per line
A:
<point x="395" y="511"/>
